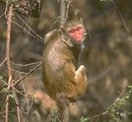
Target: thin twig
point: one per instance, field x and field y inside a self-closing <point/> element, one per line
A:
<point x="26" y="98"/>
<point x="17" y="71"/>
<point x="123" y="21"/>
<point x="28" y="32"/>
<point x="30" y="107"/>
<point x="6" y="8"/>
<point x="67" y="9"/>
<point x="62" y="12"/>
<point x="36" y="35"/>
<point x="25" y="65"/>
<point x="3" y="62"/>
<point x="2" y="15"/>
<point x="57" y="20"/>
<point x="22" y="26"/>
<point x="2" y="101"/>
<point x="24" y="29"/>
<point x="107" y="111"/>
<point x="20" y="92"/>
<point x="8" y="59"/>
<point x="17" y="107"/>
<point x="30" y="28"/>
<point x="17" y="82"/>
<point x="98" y="115"/>
<point x="2" y="112"/>
<point x="32" y="70"/>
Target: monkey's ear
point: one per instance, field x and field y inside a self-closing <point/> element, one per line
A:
<point x="49" y="35"/>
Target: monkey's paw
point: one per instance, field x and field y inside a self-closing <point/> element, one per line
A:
<point x="80" y="74"/>
<point x="81" y="69"/>
<point x="36" y="97"/>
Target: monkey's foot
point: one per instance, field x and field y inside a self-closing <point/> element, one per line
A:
<point x="80" y="72"/>
<point x="62" y="98"/>
<point x="37" y="96"/>
<point x="81" y="69"/>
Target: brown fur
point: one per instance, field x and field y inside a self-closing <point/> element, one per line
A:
<point x="59" y="68"/>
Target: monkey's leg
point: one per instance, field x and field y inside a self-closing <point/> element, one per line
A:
<point x="81" y="80"/>
<point x="63" y="106"/>
<point x="80" y="74"/>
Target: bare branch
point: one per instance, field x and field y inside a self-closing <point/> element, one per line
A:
<point x="2" y="112"/>
<point x="17" y="107"/>
<point x="25" y="65"/>
<point x="2" y="15"/>
<point x="98" y="115"/>
<point x="24" y="29"/>
<point x="3" y="62"/>
<point x="62" y="12"/>
<point x="30" y="27"/>
<point x="123" y="21"/>
<point x="18" y="81"/>
<point x="8" y="59"/>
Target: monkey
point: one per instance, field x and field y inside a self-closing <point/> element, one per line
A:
<point x="61" y="76"/>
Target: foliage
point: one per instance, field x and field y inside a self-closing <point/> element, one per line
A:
<point x="84" y="119"/>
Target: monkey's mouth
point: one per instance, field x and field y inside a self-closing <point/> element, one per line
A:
<point x="78" y="40"/>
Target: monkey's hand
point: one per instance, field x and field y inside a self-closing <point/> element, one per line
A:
<point x="49" y="35"/>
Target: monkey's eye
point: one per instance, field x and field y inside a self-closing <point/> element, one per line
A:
<point x="78" y="28"/>
<point x="72" y="31"/>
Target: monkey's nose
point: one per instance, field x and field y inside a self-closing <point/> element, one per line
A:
<point x="78" y="37"/>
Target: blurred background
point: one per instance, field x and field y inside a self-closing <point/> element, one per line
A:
<point x="107" y="56"/>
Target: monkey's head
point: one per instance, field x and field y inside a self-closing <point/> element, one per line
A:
<point x="75" y="31"/>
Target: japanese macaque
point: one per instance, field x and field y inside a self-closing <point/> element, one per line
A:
<point x="63" y="80"/>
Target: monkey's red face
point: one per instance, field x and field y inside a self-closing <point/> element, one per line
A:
<point x="77" y="32"/>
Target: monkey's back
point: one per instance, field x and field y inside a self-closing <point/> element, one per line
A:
<point x="58" y="69"/>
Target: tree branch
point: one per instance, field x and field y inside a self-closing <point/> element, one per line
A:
<point x="62" y="12"/>
<point x="8" y="59"/>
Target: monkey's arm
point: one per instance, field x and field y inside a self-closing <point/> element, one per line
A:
<point x="50" y="35"/>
